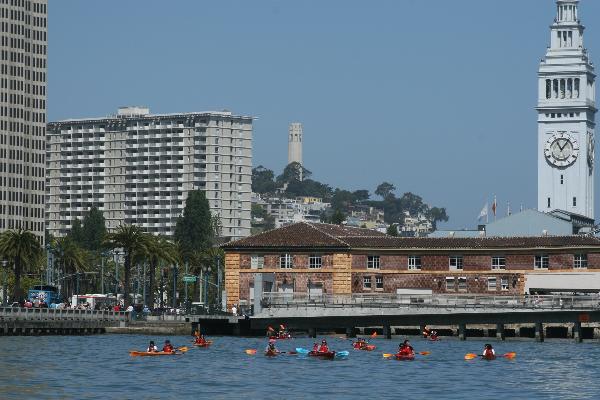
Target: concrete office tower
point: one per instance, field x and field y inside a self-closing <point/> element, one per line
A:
<point x="23" y="114"/>
<point x="138" y="169"/>
<point x="295" y="143"/>
<point x="566" y="118"/>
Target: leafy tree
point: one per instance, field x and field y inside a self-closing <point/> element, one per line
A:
<point x="258" y="211"/>
<point x="308" y="187"/>
<point x="263" y="180"/>
<point x="194" y="230"/>
<point x="338" y="217"/>
<point x="294" y="171"/>
<point x="392" y="230"/>
<point x="94" y="230"/>
<point x="435" y="215"/>
<point x="76" y="232"/>
<point x="342" y="200"/>
<point x="385" y="190"/>
<point x="361" y="195"/>
<point x="23" y="250"/>
<point x="133" y="241"/>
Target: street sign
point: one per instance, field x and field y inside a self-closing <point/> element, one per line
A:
<point x="189" y="278"/>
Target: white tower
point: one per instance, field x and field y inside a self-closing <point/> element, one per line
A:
<point x="566" y="114"/>
<point x="295" y="143"/>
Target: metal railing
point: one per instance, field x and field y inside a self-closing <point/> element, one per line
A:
<point x="51" y="314"/>
<point x="391" y="300"/>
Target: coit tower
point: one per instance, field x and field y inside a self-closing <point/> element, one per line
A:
<point x="295" y="143"/>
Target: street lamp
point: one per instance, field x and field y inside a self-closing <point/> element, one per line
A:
<point x="5" y="284"/>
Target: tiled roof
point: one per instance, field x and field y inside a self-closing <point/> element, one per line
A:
<point x="306" y="235"/>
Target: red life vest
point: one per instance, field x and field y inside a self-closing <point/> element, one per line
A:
<point x="168" y="348"/>
<point x="323" y="349"/>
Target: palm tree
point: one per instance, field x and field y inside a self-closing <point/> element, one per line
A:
<point x="73" y="258"/>
<point x="159" y="249"/>
<point x="131" y="239"/>
<point x="23" y="249"/>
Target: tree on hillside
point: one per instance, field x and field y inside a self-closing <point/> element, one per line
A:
<point x="361" y="195"/>
<point x="94" y="230"/>
<point x="342" y="200"/>
<point x="294" y="171"/>
<point x="385" y="190"/>
<point x="392" y="230"/>
<point x="23" y="250"/>
<point x="337" y="218"/>
<point x="194" y="230"/>
<point x="263" y="180"/>
<point x="308" y="187"/>
<point x="435" y="215"/>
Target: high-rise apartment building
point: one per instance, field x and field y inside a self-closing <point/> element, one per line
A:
<point x="138" y="168"/>
<point x="23" y="50"/>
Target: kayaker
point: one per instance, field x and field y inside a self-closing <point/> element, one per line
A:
<point x="433" y="335"/>
<point x="406" y="349"/>
<point x="315" y="347"/>
<point x="200" y="339"/>
<point x="323" y="348"/>
<point x="426" y="332"/>
<point x="282" y="332"/>
<point x="168" y="347"/>
<point x="488" y="351"/>
<point x="152" y="347"/>
<point x="271" y="347"/>
<point x="360" y="343"/>
<point x="270" y="331"/>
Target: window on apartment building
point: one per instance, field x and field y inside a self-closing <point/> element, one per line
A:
<point x="286" y="261"/>
<point x="450" y="283"/>
<point x="492" y="283"/>
<point x="498" y="262"/>
<point x="456" y="262"/>
<point x="462" y="284"/>
<point x="257" y="262"/>
<point x="580" y="261"/>
<point x="367" y="282"/>
<point x="504" y="283"/>
<point x="315" y="261"/>
<point x="414" y="262"/>
<point x="379" y="282"/>
<point x="541" y="261"/>
<point x="373" y="262"/>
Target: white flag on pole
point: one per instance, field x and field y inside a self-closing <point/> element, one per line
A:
<point x="483" y="213"/>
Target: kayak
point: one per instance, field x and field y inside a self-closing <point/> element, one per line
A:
<point x="368" y="347"/>
<point x="328" y="355"/>
<point x="437" y="339"/>
<point x="206" y="344"/>
<point x="489" y="358"/>
<point x="284" y="337"/>
<point x="269" y="353"/>
<point x="405" y="357"/>
<point x="152" y="353"/>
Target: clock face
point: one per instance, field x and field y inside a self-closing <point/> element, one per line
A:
<point x="561" y="149"/>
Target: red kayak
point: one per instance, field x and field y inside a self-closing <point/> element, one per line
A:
<point x="489" y="357"/>
<point x="270" y="353"/>
<point x="436" y="339"/>
<point x="405" y="357"/>
<point x="205" y="344"/>
<point x="368" y="347"/>
<point x="329" y="355"/>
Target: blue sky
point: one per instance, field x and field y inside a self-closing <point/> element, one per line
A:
<point x="435" y="96"/>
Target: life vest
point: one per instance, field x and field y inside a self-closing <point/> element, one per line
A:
<point x="168" y="348"/>
<point x="488" y="353"/>
<point x="323" y="349"/>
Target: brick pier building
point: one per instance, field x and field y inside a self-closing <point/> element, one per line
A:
<point x="328" y="259"/>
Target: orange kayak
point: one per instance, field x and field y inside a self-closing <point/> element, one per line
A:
<point x="152" y="353"/>
<point x="205" y="344"/>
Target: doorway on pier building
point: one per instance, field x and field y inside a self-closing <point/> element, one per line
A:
<point x="315" y="291"/>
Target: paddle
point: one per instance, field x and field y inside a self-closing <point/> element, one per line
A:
<point x="423" y="353"/>
<point x="471" y="356"/>
<point x="252" y="352"/>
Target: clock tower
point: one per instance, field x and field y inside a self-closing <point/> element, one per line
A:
<point x="566" y="118"/>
